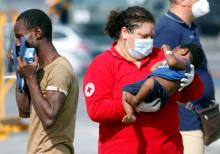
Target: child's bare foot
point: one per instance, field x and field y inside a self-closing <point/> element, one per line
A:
<point x="128" y="119"/>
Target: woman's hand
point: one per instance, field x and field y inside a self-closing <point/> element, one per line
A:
<point x="149" y="106"/>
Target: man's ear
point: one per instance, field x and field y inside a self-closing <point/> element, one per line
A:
<point x="38" y="33"/>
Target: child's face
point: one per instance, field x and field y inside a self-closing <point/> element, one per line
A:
<point x="182" y="53"/>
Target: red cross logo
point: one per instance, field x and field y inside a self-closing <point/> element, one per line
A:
<point x="89" y="89"/>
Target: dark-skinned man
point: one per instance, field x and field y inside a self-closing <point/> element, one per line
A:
<point x="51" y="96"/>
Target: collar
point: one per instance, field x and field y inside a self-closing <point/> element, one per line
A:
<point x="114" y="52"/>
<point x="175" y="18"/>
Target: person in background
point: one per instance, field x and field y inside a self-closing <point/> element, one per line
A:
<point x="163" y="81"/>
<point x="177" y="27"/>
<point x="128" y="60"/>
<point x="59" y="10"/>
<point x="51" y="96"/>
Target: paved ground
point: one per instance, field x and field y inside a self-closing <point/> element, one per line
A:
<point x="86" y="131"/>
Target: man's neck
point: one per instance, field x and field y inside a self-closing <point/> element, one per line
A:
<point x="186" y="16"/>
<point x="47" y="54"/>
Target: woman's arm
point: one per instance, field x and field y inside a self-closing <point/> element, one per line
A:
<point x="98" y="90"/>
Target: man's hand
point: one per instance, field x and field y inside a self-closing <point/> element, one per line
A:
<point x="27" y="70"/>
<point x="188" y="79"/>
<point x="149" y="107"/>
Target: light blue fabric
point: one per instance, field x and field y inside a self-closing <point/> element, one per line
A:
<point x="166" y="72"/>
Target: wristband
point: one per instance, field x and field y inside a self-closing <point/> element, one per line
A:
<point x="168" y="52"/>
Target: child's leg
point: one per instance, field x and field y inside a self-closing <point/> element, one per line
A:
<point x="142" y="94"/>
<point x="129" y="117"/>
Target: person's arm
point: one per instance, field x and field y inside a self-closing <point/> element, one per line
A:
<point x="23" y="103"/>
<point x="171" y="34"/>
<point x="173" y="61"/>
<point x="98" y="87"/>
<point x="142" y="93"/>
<point x="178" y="63"/>
<point x="46" y="107"/>
<point x="22" y="98"/>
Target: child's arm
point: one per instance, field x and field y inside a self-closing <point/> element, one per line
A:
<point x="172" y="61"/>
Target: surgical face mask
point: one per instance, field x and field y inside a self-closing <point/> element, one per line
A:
<point x="143" y="47"/>
<point x="200" y="8"/>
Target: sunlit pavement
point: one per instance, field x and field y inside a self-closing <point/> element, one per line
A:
<point x="87" y="131"/>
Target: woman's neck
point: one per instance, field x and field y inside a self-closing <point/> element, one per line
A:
<point x="122" y="50"/>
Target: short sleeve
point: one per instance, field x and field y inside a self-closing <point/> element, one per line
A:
<point x="59" y="79"/>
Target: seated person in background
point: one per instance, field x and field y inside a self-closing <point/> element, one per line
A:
<point x="162" y="82"/>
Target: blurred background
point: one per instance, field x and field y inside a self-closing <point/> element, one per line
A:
<point x="78" y="34"/>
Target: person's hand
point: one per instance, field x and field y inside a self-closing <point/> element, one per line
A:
<point x="188" y="78"/>
<point x="10" y="56"/>
<point x="128" y="119"/>
<point x="165" y="48"/>
<point x="149" y="107"/>
<point x="27" y="70"/>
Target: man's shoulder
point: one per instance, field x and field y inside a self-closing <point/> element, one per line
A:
<point x="167" y="32"/>
<point x="163" y="20"/>
<point x="60" y="64"/>
<point x="167" y="22"/>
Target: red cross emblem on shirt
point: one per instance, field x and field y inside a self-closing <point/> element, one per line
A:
<point x="89" y="89"/>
